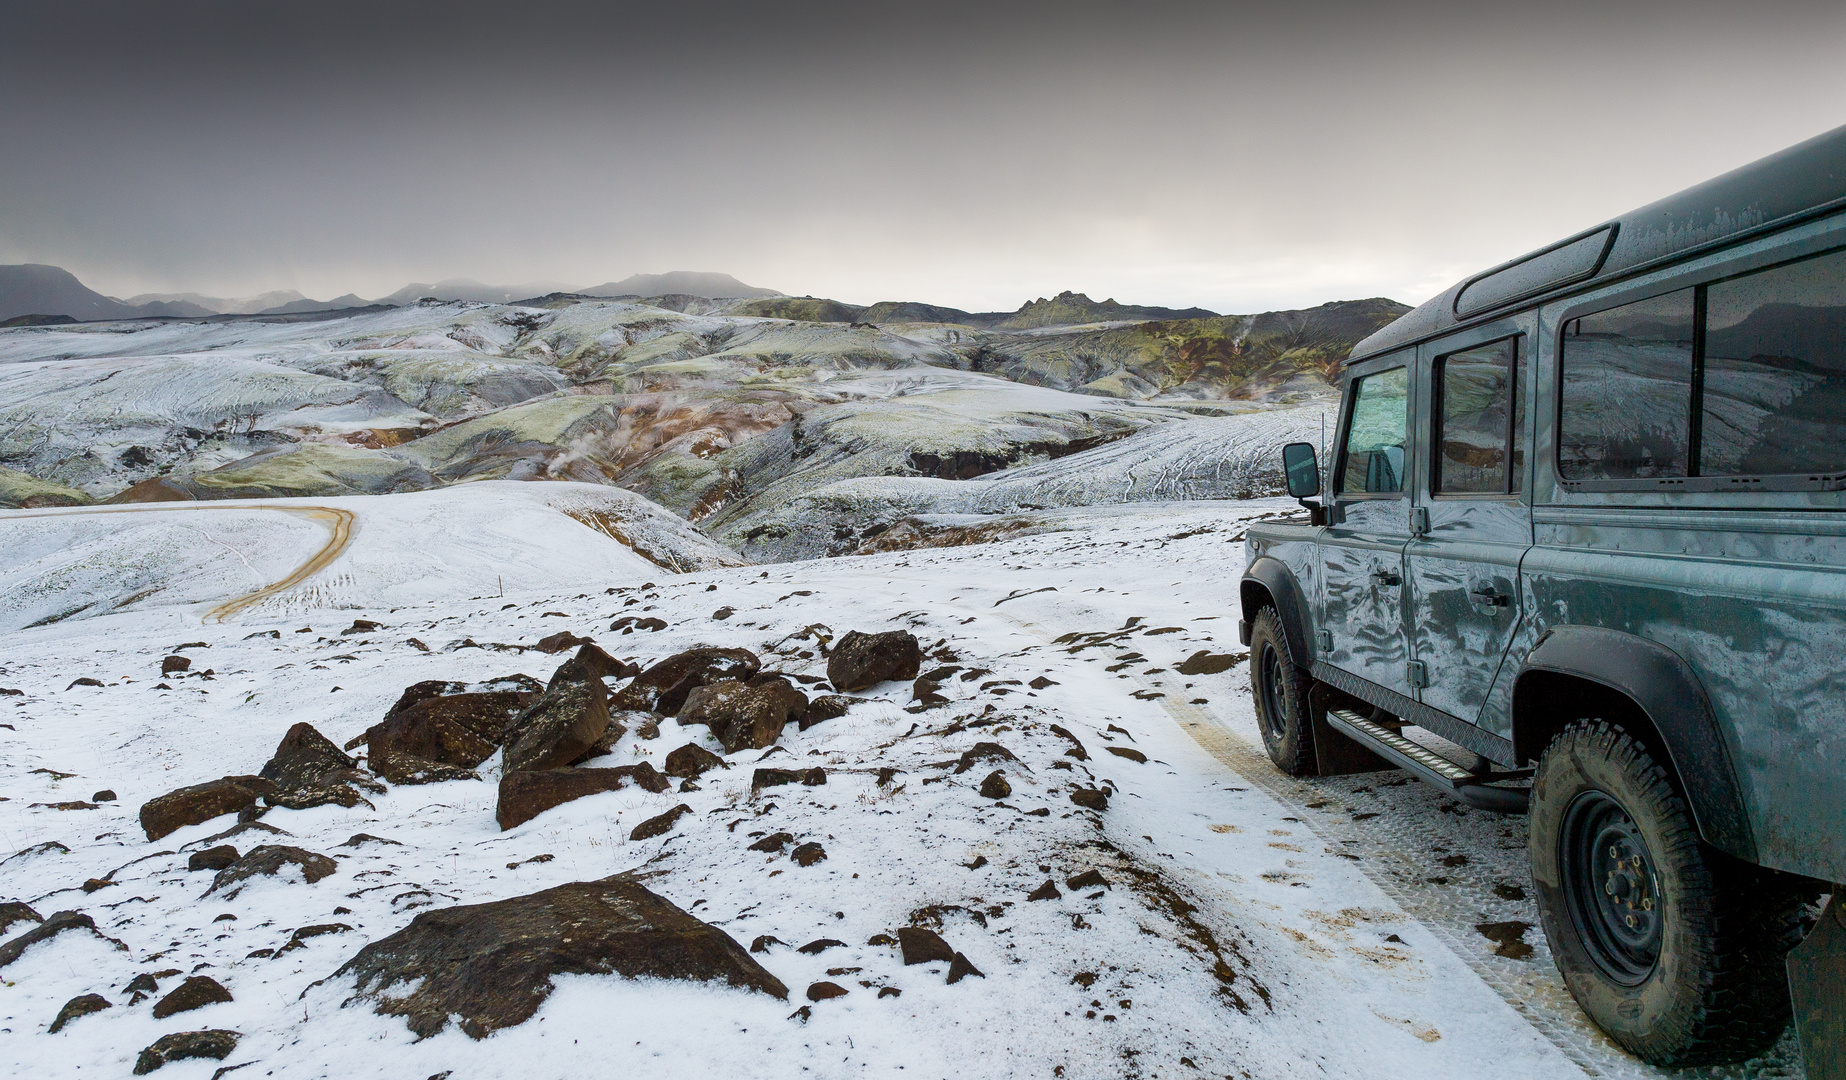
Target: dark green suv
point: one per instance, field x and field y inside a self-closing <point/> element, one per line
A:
<point x="1586" y="525"/>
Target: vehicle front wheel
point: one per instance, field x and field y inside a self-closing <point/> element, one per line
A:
<point x="1672" y="947"/>
<point x="1281" y="692"/>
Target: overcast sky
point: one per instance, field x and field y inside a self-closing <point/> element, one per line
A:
<point x="1239" y="157"/>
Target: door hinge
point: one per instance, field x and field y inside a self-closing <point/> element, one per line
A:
<point x="1323" y="641"/>
<point x="1416" y="673"/>
<point x="1419" y="521"/>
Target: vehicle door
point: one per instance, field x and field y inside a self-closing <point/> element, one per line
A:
<point x="1473" y="518"/>
<point x="1362" y="551"/>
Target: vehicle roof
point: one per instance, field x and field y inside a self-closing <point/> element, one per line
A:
<point x="1804" y="180"/>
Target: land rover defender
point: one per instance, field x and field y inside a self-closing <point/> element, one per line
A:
<point x="1585" y="524"/>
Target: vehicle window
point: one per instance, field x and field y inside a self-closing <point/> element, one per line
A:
<point x="1626" y="394"/>
<point x="1475" y="420"/>
<point x="1373" y="460"/>
<point x="1774" y="387"/>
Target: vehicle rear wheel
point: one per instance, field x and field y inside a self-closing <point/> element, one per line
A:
<point x="1281" y="692"/>
<point x="1672" y="947"/>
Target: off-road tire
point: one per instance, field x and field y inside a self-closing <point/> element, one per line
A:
<point x="1280" y="688"/>
<point x="1715" y="992"/>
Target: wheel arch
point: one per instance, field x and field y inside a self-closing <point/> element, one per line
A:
<point x="1578" y="671"/>
<point x="1269" y="583"/>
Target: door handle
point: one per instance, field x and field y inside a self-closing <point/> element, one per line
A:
<point x="1488" y="596"/>
<point x="1387" y="578"/>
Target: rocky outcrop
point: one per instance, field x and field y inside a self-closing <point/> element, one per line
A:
<point x="196" y="992"/>
<point x="860" y="660"/>
<point x="526" y="795"/>
<point x="663" y="687"/>
<point x="215" y="1043"/>
<point x="267" y="860"/>
<point x="491" y="965"/>
<point x="13" y="911"/>
<point x="201" y="802"/>
<point x="745" y="715"/>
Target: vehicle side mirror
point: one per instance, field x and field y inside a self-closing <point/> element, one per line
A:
<point x="1302" y="469"/>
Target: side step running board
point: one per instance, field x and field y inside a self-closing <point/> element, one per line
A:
<point x="1431" y="767"/>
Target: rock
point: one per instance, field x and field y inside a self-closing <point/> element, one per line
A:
<point x="360" y="626"/>
<point x="526" y="795"/>
<point x="1047" y="891"/>
<point x="820" y="945"/>
<point x="1089" y="879"/>
<point x="307" y="798"/>
<point x="1204" y="662"/>
<point x="559" y="727"/>
<point x="663" y="687"/>
<point x="1129" y="753"/>
<point x="306" y="759"/>
<point x="147" y="982"/>
<point x="692" y="761"/>
<point x="995" y="786"/>
<point x="1076" y="746"/>
<point x="401" y="768"/>
<point x="924" y="692"/>
<point x="745" y="716"/>
<point x="195" y="993"/>
<point x="773" y="842"/>
<point x="983" y="751"/>
<point x="889" y="991"/>
<point x="170" y="665"/>
<point x="826" y="707"/>
<point x="660" y="824"/>
<point x="492" y="964"/>
<point x="212" y="858"/>
<point x="821" y="991"/>
<point x="95" y="884"/>
<point x="860" y="660"/>
<point x="268" y="859"/>
<point x="606" y="742"/>
<point x="1041" y="682"/>
<point x="764" y="941"/>
<point x="724" y="613"/>
<point x="560" y="641"/>
<point x="85" y="680"/>
<point x="416" y="692"/>
<point x="593" y="663"/>
<point x="300" y="937"/>
<point x="763" y="778"/>
<point x="58" y="923"/>
<point x="920" y="945"/>
<point x="14" y="911"/>
<point x="215" y="1043"/>
<point x="449" y="729"/>
<point x="960" y="968"/>
<point x="105" y="795"/>
<point x="201" y="802"/>
<point x="808" y="854"/>
<point x="76" y="1007"/>
<point x="1090" y="798"/>
<point x="361" y="839"/>
<point x="649" y="731"/>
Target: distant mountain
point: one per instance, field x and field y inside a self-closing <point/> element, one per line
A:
<point x="304" y="305"/>
<point x="1075" y="309"/>
<point x="36" y="289"/>
<point x="683" y="282"/>
<point x="469" y="289"/>
<point x="801" y="309"/>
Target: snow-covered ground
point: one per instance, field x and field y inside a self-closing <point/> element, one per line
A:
<point x="1252" y="926"/>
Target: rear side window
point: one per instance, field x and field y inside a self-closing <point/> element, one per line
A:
<point x="1774" y="396"/>
<point x="1740" y="378"/>
<point x="1372" y="461"/>
<point x="1627" y="381"/>
<point x="1477" y="417"/>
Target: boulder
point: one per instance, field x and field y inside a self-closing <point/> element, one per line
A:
<point x="14" y="911"/>
<point x="526" y="795"/>
<point x="1047" y="891"/>
<point x="960" y="968"/>
<point x="212" y="858"/>
<point x="808" y="854"/>
<point x="812" y="777"/>
<point x="745" y="715"/>
<point x="692" y="761"/>
<point x="50" y="928"/>
<point x="660" y="824"/>
<point x="1090" y="798"/>
<point x="559" y="728"/>
<point x="592" y="663"/>
<point x="558" y="642"/>
<point x="416" y="692"/>
<point x="195" y="993"/>
<point x="307" y="759"/>
<point x="605" y="744"/>
<point x="268" y="859"/>
<point x="860" y="660"/>
<point x="825" y="707"/>
<point x="401" y="768"/>
<point x="995" y="786"/>
<point x="201" y="802"/>
<point x="821" y="991"/>
<point x="430" y="730"/>
<point x="920" y="945"/>
<point x="982" y="751"/>
<point x="180" y="1045"/>
<point x="663" y="687"/>
<point x="76" y="1007"/>
<point x="492" y="965"/>
<point x="173" y="665"/>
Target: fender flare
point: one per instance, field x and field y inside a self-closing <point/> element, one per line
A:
<point x="1272" y="576"/>
<point x="1666" y="688"/>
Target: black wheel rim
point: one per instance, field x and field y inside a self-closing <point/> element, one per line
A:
<point x="1274" y="723"/>
<point x="1611" y="887"/>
